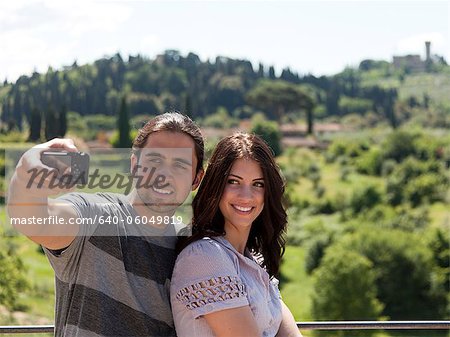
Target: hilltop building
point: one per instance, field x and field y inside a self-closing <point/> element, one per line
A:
<point x="414" y="63"/>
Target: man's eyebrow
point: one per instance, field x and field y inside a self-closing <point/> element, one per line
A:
<point x="184" y="161"/>
<point x="234" y="175"/>
<point x="154" y="154"/>
<point x="159" y="155"/>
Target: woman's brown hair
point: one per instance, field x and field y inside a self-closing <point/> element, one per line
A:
<point x="267" y="232"/>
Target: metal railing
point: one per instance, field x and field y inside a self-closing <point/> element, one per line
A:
<point x="375" y="325"/>
<point x="334" y="325"/>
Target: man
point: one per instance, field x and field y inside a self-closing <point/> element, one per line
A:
<point x="113" y="277"/>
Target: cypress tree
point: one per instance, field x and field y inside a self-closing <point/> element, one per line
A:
<point x="62" y="121"/>
<point x="188" y="106"/>
<point x="51" y="124"/>
<point x="35" y="125"/>
<point x="123" y="125"/>
<point x="272" y="73"/>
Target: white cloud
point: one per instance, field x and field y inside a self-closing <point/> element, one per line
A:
<point x="84" y="16"/>
<point x="149" y="43"/>
<point x="22" y="53"/>
<point x="37" y="33"/>
<point x="10" y="10"/>
<point x="17" y="48"/>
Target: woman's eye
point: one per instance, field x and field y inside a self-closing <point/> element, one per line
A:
<point x="232" y="181"/>
<point x="259" y="184"/>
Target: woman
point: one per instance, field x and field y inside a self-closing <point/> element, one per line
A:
<point x="223" y="283"/>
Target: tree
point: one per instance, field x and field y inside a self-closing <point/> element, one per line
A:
<point x="364" y="198"/>
<point x="123" y="126"/>
<point x="403" y="265"/>
<point x="51" y="124"/>
<point x="344" y="288"/>
<point x="269" y="131"/>
<point x="388" y="105"/>
<point x="62" y="127"/>
<point x="416" y="182"/>
<point x="272" y="73"/>
<point x="12" y="280"/>
<point x="383" y="102"/>
<point x="399" y="145"/>
<point x="35" y="125"/>
<point x="188" y="106"/>
<point x="440" y="246"/>
<point x="280" y="97"/>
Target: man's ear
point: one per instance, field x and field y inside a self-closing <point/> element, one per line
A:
<point x="198" y="178"/>
<point x="133" y="163"/>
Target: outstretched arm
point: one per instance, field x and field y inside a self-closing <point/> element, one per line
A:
<point x="29" y="199"/>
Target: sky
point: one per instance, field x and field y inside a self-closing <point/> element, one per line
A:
<point x="310" y="37"/>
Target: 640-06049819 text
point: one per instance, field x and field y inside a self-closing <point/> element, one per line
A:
<point x="101" y="219"/>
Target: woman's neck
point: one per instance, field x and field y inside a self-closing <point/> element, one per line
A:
<point x="238" y="239"/>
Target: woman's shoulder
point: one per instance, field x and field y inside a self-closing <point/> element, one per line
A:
<point x="204" y="259"/>
<point x="212" y="248"/>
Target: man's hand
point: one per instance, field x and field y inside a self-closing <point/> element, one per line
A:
<point x="33" y="177"/>
<point x="31" y="185"/>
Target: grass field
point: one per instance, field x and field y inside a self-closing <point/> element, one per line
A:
<point x="296" y="284"/>
<point x="436" y="86"/>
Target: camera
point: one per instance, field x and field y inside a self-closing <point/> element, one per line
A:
<point x="73" y="165"/>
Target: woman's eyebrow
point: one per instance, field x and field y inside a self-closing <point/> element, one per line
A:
<point x="234" y="175"/>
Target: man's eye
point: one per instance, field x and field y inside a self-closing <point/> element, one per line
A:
<point x="180" y="166"/>
<point x="155" y="161"/>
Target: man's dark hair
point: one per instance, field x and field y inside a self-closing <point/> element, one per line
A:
<point x="173" y="122"/>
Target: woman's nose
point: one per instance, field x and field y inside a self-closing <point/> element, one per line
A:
<point x="245" y="192"/>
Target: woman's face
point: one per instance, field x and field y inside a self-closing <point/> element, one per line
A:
<point x="243" y="197"/>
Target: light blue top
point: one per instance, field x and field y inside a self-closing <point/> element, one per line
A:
<point x="209" y="276"/>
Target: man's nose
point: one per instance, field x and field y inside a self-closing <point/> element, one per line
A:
<point x="166" y="171"/>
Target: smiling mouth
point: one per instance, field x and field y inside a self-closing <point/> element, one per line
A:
<point x="242" y="209"/>
<point x="162" y="191"/>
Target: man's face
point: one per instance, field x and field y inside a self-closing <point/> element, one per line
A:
<point x="165" y="171"/>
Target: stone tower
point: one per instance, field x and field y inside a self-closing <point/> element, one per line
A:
<point x="427" y="48"/>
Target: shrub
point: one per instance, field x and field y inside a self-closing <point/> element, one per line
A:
<point x="220" y="119"/>
<point x="401" y="217"/>
<point x="404" y="271"/>
<point x="12" y="280"/>
<point x="269" y="131"/>
<point x="370" y="162"/>
<point x="315" y="251"/>
<point x="427" y="188"/>
<point x="416" y="182"/>
<point x="399" y="145"/>
<point x="364" y="198"/>
<point x="344" y="288"/>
